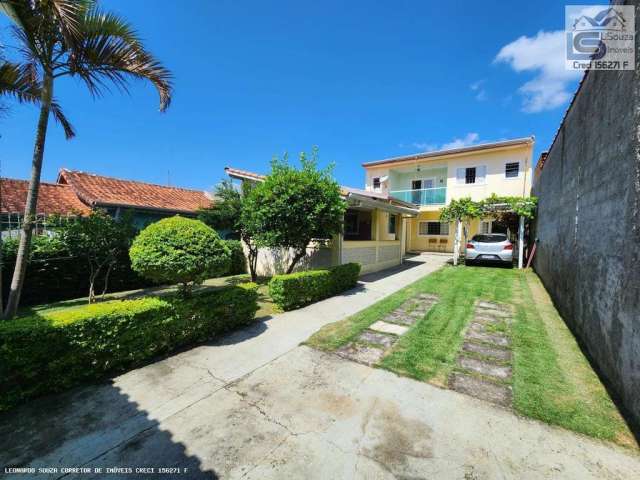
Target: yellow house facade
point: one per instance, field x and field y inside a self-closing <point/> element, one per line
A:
<point x="431" y="180"/>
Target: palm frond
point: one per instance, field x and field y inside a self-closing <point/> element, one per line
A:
<point x="56" y="110"/>
<point x="69" y="14"/>
<point x="17" y="81"/>
<point x="22" y="83"/>
<point x="111" y="52"/>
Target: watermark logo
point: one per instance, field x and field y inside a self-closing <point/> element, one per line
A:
<point x="600" y="37"/>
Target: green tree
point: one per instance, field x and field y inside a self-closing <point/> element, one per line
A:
<point x="71" y="38"/>
<point x="226" y="213"/>
<point x="459" y="211"/>
<point x="293" y="206"/>
<point x="101" y="240"/>
<point x="179" y="250"/>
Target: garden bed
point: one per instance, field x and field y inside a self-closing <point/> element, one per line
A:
<point x="53" y="349"/>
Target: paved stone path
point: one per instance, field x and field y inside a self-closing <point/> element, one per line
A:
<point x="483" y="368"/>
<point x="377" y="340"/>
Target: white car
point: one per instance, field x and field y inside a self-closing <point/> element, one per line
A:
<point x="489" y="247"/>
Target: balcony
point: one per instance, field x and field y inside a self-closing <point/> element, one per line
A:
<point x="425" y="196"/>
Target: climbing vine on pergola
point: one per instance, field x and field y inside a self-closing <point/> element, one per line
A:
<point x="465" y="210"/>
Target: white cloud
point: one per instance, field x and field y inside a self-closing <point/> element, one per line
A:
<point x="481" y="93"/>
<point x="543" y="54"/>
<point x="427" y="147"/>
<point x="468" y="139"/>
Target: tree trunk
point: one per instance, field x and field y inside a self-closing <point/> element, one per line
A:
<point x="299" y="254"/>
<point x="32" y="199"/>
<point x="1" y="258"/>
<point x="252" y="256"/>
<point x="106" y="280"/>
<point x="456" y="244"/>
<point x="92" y="280"/>
<point x="253" y="263"/>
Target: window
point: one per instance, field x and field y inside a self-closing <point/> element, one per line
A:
<point x="376" y="183"/>
<point x="392" y="225"/>
<point x="433" y="228"/>
<point x="512" y="170"/>
<point x="351" y="225"/>
<point x="470" y="175"/>
<point x="485" y="227"/>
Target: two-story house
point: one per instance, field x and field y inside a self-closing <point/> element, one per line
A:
<point x="399" y="209"/>
<point x="432" y="179"/>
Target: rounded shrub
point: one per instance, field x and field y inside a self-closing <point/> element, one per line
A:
<point x="179" y="250"/>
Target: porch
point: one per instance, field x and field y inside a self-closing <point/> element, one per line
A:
<point x="374" y="233"/>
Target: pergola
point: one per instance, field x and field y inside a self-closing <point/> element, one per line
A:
<point x="507" y="208"/>
<point x="465" y="209"/>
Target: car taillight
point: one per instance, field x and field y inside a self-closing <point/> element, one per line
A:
<point x="508" y="247"/>
<point x="470" y="245"/>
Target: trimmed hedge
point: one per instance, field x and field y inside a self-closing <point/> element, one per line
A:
<point x="238" y="262"/>
<point x="298" y="289"/>
<point x="53" y="351"/>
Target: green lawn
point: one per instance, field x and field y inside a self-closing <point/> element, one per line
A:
<point x="552" y="380"/>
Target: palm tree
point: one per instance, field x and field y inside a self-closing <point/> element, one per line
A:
<point x="16" y="82"/>
<point x="74" y="38"/>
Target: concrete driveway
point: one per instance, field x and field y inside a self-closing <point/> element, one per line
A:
<point x="255" y="405"/>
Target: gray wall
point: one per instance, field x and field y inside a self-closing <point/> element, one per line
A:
<point x="588" y="226"/>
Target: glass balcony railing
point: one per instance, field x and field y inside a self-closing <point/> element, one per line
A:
<point x="425" y="196"/>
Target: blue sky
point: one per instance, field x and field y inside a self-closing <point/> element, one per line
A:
<point x="362" y="80"/>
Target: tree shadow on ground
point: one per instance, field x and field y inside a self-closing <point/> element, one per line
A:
<point x="93" y="427"/>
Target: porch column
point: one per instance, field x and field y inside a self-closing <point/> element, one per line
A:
<point x="521" y="242"/>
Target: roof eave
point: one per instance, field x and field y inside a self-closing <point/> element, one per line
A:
<point x="453" y="151"/>
<point x="382" y="205"/>
<point x="144" y="208"/>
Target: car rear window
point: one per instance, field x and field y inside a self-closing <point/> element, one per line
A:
<point x="489" y="238"/>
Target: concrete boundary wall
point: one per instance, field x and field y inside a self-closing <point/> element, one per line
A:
<point x="588" y="226"/>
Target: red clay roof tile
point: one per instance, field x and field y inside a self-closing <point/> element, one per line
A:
<point x="52" y="198"/>
<point x="98" y="190"/>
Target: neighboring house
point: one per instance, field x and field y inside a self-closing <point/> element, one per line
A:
<point x="53" y="199"/>
<point x="431" y="180"/>
<point x="149" y="202"/>
<point x="373" y="236"/>
<point x="77" y="193"/>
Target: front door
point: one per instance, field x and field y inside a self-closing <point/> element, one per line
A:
<point x="416" y="193"/>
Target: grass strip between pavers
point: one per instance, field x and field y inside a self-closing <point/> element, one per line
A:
<point x="552" y="380"/>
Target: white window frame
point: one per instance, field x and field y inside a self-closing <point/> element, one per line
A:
<point x="430" y="235"/>
<point x="476" y="183"/>
<point x="373" y="184"/>
<point x="504" y="170"/>
<point x="489" y="227"/>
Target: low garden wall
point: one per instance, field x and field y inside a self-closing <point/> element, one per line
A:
<point x="372" y="255"/>
<point x="274" y="261"/>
